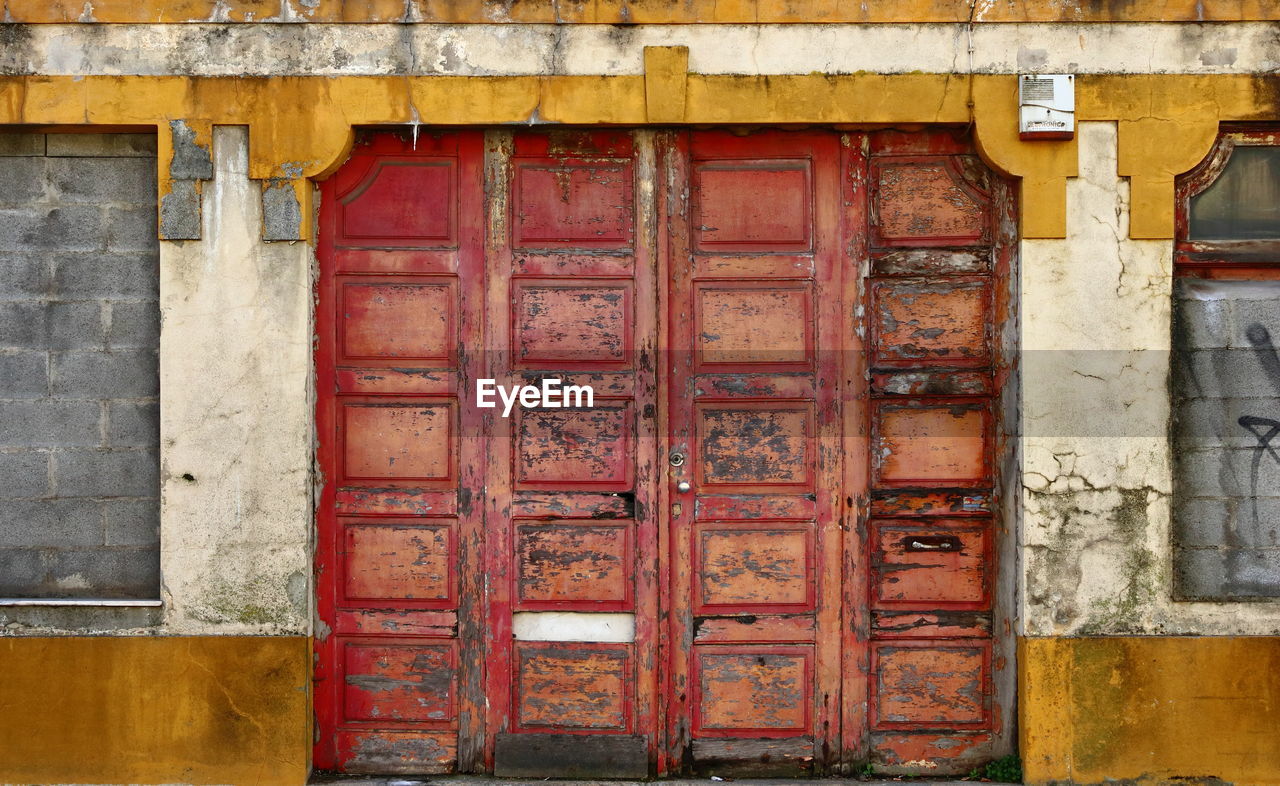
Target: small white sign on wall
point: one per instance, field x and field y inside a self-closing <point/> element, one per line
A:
<point x="1046" y="106"/>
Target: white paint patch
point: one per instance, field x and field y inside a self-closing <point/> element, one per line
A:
<point x="506" y="49"/>
<point x="573" y="626"/>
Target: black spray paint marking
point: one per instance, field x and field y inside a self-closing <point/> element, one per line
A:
<point x="1263" y="429"/>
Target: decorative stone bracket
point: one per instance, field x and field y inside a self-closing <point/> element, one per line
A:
<point x="186" y="162"/>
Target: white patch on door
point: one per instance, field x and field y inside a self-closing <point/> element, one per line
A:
<point x="573" y="626"/>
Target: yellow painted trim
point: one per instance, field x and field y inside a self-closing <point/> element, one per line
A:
<point x="301" y="127"/>
<point x="154" y="709"/>
<point x="641" y="11"/>
<point x="1150" y="710"/>
<point x="666" y="83"/>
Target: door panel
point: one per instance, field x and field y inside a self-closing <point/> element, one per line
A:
<point x="768" y="544"/>
<point x="398" y="551"/>
<point x="565" y="556"/>
<point x="755" y="369"/>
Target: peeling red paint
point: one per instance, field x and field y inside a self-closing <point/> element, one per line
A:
<point x="804" y="327"/>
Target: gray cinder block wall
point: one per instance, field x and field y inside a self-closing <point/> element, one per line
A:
<point x="79" y="385"/>
<point x="1226" y="385"/>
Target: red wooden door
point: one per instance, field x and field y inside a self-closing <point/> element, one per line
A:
<point x="571" y="519"/>
<point x="398" y="557"/>
<point x="764" y="546"/>
<point x="755" y="455"/>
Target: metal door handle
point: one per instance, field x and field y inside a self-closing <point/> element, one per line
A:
<point x="683" y="486"/>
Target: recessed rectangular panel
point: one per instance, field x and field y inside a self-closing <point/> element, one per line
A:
<point x="924" y="502"/>
<point x="942" y="321"/>
<point x="398" y="682"/>
<point x="754" y="445"/>
<point x="398" y="441"/>
<point x="574" y="446"/>
<point x="571" y="204"/>
<point x="397" y="752"/>
<point x="579" y="564"/>
<point x="538" y="504"/>
<point x="396" y="622"/>
<point x="920" y="200"/>
<point x="361" y="501"/>
<point x="748" y="206"/>
<point x="930" y="686"/>
<point x="398" y="319"/>
<point x="763" y="690"/>
<point x="399" y="561"/>
<point x="753" y="628"/>
<point x="713" y="507"/>
<point x="929" y="565"/>
<point x="950" y="624"/>
<point x="754" y="325"/>
<point x="755" y="567"/>
<point x="930" y="443"/>
<point x="402" y="202"/>
<point x="572" y="323"/>
<point x="572" y="687"/>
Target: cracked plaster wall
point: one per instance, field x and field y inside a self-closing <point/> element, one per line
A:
<point x="505" y="49"/>
<point x="1097" y="477"/>
<point x="236" y="416"/>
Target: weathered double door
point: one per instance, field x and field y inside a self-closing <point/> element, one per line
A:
<point x="765" y="544"/>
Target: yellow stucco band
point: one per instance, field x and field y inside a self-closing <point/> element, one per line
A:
<point x="1150" y="710"/>
<point x="642" y="11"/>
<point x="216" y="709"/>
<point x="302" y="127"/>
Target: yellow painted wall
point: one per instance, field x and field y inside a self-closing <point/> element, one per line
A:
<point x="1150" y="709"/>
<point x="199" y="709"/>
<point x="643" y="11"/>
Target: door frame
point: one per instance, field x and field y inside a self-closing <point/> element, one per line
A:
<point x="853" y="739"/>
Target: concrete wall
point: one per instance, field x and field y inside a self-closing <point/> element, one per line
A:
<point x="236" y="416"/>
<point x="79" y="329"/>
<point x="1226" y="386"/>
<point x="1097" y="469"/>
<point x="235" y="425"/>
<point x="493" y="50"/>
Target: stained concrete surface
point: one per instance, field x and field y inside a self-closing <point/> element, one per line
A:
<point x="335" y="780"/>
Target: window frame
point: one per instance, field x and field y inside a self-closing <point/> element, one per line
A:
<point x="1257" y="260"/>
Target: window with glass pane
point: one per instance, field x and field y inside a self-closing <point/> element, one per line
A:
<point x="1244" y="202"/>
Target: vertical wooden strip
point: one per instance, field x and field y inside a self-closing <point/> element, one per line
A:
<point x="648" y="471"/>
<point x="1002" y="563"/>
<point x="497" y="487"/>
<point x="471" y="506"/>
<point x="828" y="256"/>
<point x="856" y="419"/>
<point x="678" y="512"/>
<point x="328" y="676"/>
